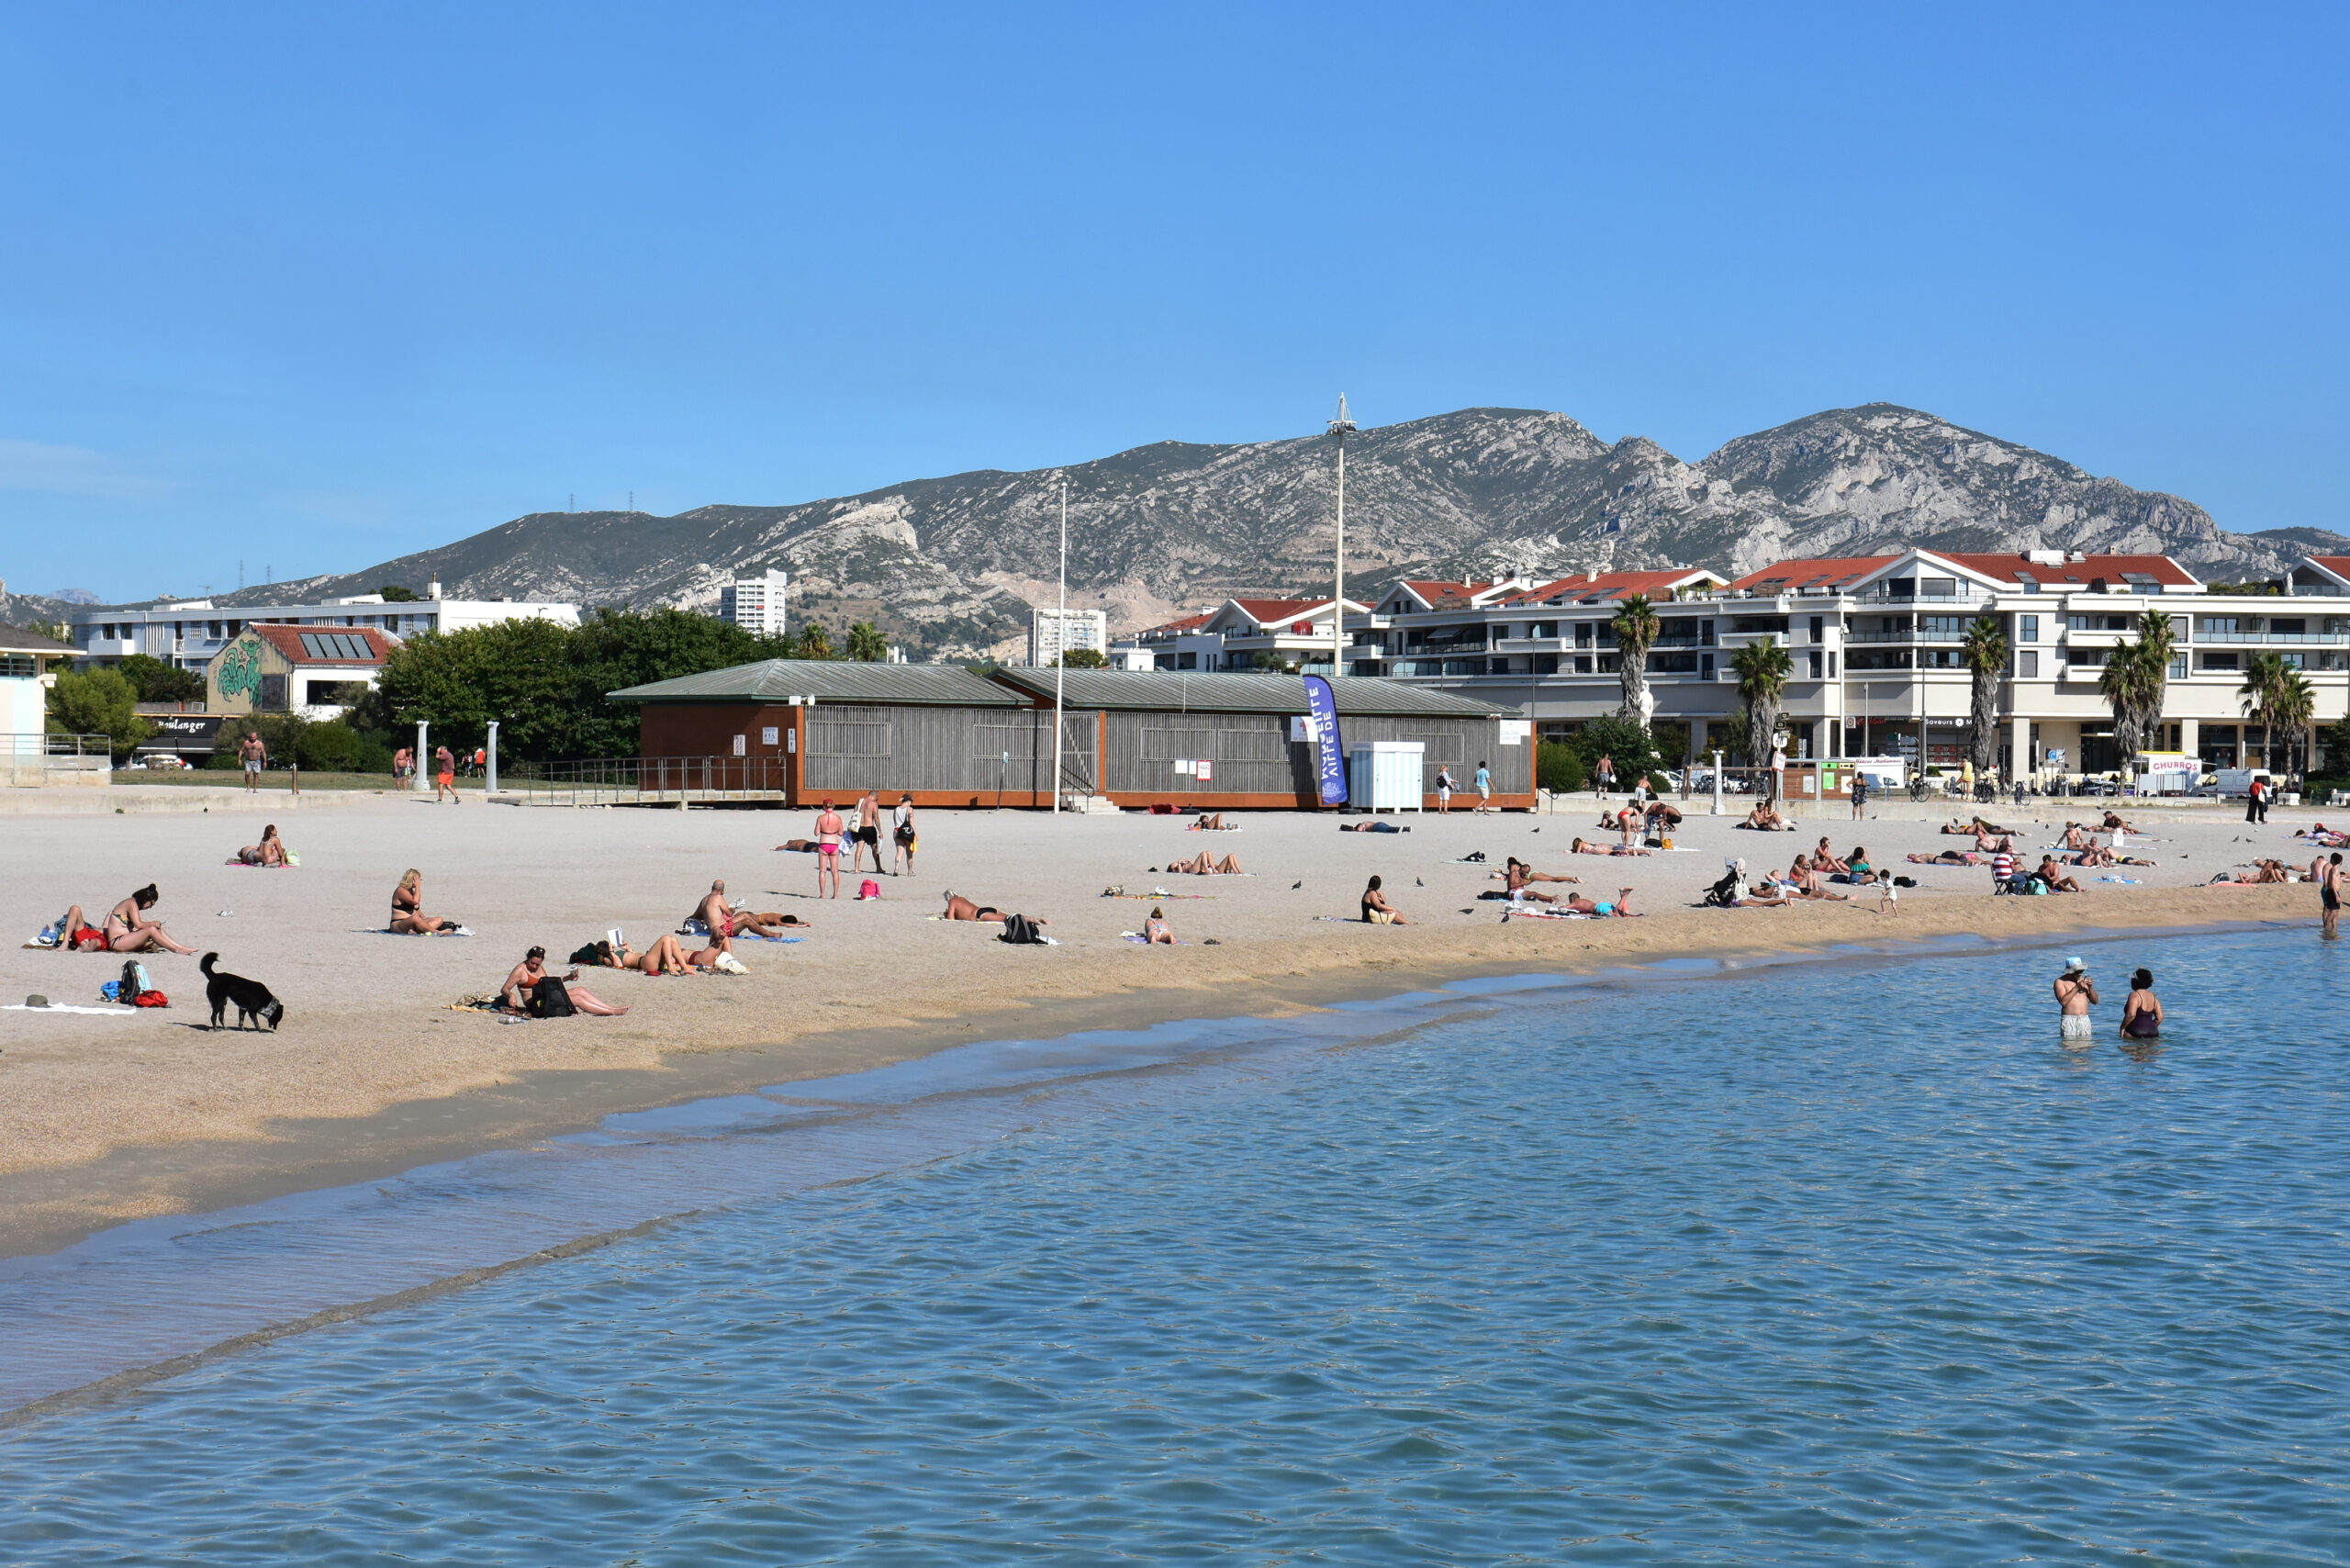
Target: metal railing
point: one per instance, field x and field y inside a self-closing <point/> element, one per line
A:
<point x="648" y="780"/>
<point x="65" y="750"/>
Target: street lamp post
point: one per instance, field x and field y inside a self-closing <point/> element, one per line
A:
<point x="1060" y="662"/>
<point x="1340" y="428"/>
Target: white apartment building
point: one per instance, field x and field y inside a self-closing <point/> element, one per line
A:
<point x="189" y="633"/>
<point x="1052" y="631"/>
<point x="756" y="604"/>
<point x="1876" y="646"/>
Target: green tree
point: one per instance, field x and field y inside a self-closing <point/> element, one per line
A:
<point x="2264" y="680"/>
<point x="99" y="703"/>
<point x="156" y="681"/>
<point x="1558" y="768"/>
<point x="1637" y="629"/>
<point x="1628" y="745"/>
<point x="1761" y="667"/>
<point x="2134" y="681"/>
<point x="866" y="644"/>
<point x="2293" y="706"/>
<point x="1986" y="652"/>
<point x="1085" y="658"/>
<point x="394" y="593"/>
<point x="815" y="642"/>
<point x="332" y="748"/>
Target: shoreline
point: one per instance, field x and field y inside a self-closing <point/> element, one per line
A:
<point x="47" y="1209"/>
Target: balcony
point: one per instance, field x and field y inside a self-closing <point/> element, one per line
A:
<point x="2279" y="639"/>
<point x="1534" y="645"/>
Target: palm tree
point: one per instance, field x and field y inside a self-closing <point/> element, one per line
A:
<point x="1761" y="668"/>
<point x="2264" y="678"/>
<point x="815" y="642"/>
<point x="866" y="644"/>
<point x="2122" y="684"/>
<point x="1987" y="659"/>
<point x="2157" y="640"/>
<point x="2293" y="706"/>
<point x="1637" y="629"/>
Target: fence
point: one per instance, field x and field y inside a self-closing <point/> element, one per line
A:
<point x="647" y="780"/>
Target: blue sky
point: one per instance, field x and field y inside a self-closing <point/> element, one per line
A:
<point x="310" y="288"/>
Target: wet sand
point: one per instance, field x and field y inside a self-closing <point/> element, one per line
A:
<point x="108" y="1118"/>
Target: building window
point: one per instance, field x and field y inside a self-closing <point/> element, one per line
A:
<point x="1818" y="635"/>
<point x="1582" y="663"/>
<point x="2178" y="667"/>
<point x="2086" y="658"/>
<point x="1706" y="634"/>
<point x="1706" y="664"/>
<point x="1187" y="660"/>
<point x="2027" y="661"/>
<point x="2224" y="663"/>
<point x="2218" y="623"/>
<point x="1831" y="665"/>
<point x="2027" y="628"/>
<point x="1818" y="665"/>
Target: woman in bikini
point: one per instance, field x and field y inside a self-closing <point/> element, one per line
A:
<point x="127" y="929"/>
<point x="1155" y="930"/>
<point x="667" y="956"/>
<point x="270" y="851"/>
<point x="1585" y="846"/>
<point x="1204" y="863"/>
<point x="408" y="918"/>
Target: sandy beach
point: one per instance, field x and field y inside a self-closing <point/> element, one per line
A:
<point x="104" y="1118"/>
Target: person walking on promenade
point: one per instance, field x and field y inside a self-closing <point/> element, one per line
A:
<point x="1606" y="774"/>
<point x="829" y="828"/>
<point x="2075" y="994"/>
<point x="255" y="756"/>
<point x="1484" y="782"/>
<point x="2255" y="801"/>
<point x="445" y="776"/>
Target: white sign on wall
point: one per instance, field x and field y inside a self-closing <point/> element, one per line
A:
<point x="1517" y="732"/>
<point x="1183" y="765"/>
<point x="1204" y="769"/>
<point x="768" y="735"/>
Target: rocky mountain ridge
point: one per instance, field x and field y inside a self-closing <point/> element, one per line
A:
<point x="949" y="566"/>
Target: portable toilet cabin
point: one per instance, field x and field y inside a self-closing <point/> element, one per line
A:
<point x="1385" y="775"/>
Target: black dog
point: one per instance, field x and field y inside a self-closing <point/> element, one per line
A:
<point x="252" y="998"/>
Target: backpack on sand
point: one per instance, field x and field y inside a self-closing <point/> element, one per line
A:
<point x="1021" y="930"/>
<point x="551" y="999"/>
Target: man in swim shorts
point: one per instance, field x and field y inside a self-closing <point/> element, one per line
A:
<point x="445" y="776"/>
<point x="2076" y="993"/>
<point x="829" y="829"/>
<point x="2329" y="895"/>
<point x="253" y="754"/>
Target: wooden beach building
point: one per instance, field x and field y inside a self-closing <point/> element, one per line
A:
<point x="798" y="730"/>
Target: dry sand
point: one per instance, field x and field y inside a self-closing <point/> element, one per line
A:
<point x="105" y="1119"/>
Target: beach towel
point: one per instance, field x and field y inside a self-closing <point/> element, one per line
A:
<point x="1973" y="858"/>
<point x="2130" y="882"/>
<point x="485" y="1002"/>
<point x="388" y="931"/>
<point x="1139" y="940"/>
<point x="66" y="1007"/>
<point x="1527" y="911"/>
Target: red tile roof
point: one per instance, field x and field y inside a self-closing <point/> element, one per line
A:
<point x="287" y="639"/>
<point x="2338" y="565"/>
<point x="1833" y="571"/>
<point x="1440" y="593"/>
<point x="1175" y="628"/>
<point x="1266" y="611"/>
<point x="1605" y="586"/>
<point x="2021" y="568"/>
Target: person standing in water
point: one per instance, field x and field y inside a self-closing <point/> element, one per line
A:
<point x="2075" y="994"/>
<point x="2329" y="896"/>
<point x="2141" y="1013"/>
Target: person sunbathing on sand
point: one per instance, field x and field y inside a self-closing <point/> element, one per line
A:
<point x="722" y="921"/>
<point x="1763" y="819"/>
<point x="268" y="852"/>
<point x="1585" y="846"/>
<point x="1825" y="858"/>
<point x="408" y="918"/>
<point x="667" y="956"/>
<point x="1519" y="875"/>
<point x="523" y="993"/>
<point x="1376" y="910"/>
<point x="1155" y="931"/>
<point x="2097" y="855"/>
<point x="1212" y="822"/>
<point x="75" y="934"/>
<point x="1805" y="879"/>
<point x="2113" y="824"/>
<point x="961" y="908"/>
<point x="2054" y="875"/>
<point x="1531" y="875"/>
<point x="1204" y="863"/>
<point x="128" y="930"/>
<point x="2074" y="838"/>
<point x="1984" y="844"/>
<point x="1620" y="908"/>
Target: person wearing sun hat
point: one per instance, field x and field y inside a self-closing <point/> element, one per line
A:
<point x="2075" y="994"/>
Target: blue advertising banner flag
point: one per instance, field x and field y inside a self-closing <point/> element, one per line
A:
<point x="1323" y="706"/>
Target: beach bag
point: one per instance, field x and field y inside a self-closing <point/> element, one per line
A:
<point x="150" y="999"/>
<point x="1021" y="930"/>
<point x="551" y="999"/>
<point x="869" y="889"/>
<point x="586" y="955"/>
<point x="904" y="833"/>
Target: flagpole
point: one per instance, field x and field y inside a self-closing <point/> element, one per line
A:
<point x="1061" y="664"/>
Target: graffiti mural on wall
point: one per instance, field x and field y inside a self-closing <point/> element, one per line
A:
<point x="240" y="669"/>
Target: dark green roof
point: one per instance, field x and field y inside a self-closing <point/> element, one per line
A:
<point x="829" y="680"/>
<point x="1174" y="691"/>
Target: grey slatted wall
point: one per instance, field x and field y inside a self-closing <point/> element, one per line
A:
<point x="951" y="750"/>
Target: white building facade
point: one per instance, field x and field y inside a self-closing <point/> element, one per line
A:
<point x="756" y="604"/>
<point x="189" y="633"/>
<point x="1875" y="648"/>
<point x="1052" y="632"/>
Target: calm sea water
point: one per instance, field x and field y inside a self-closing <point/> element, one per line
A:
<point x="1835" y="1264"/>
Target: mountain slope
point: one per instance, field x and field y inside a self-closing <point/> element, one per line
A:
<point x="949" y="566"/>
